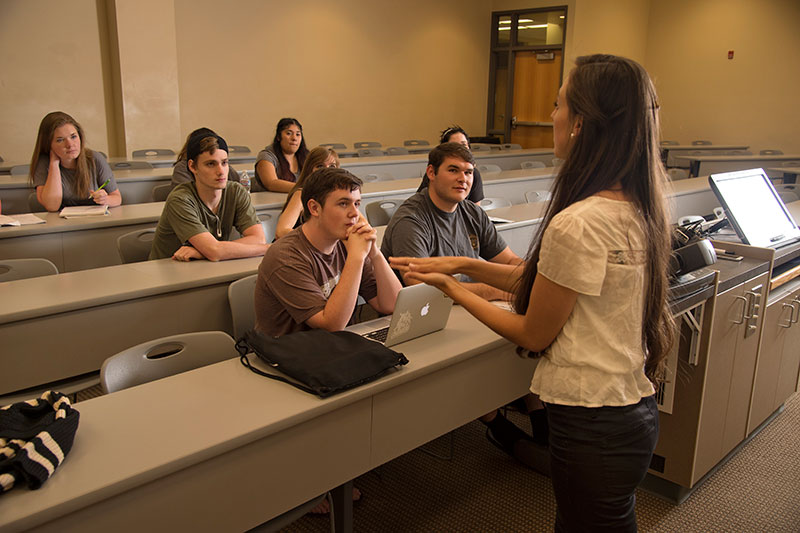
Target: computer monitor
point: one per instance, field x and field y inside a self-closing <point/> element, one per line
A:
<point x="754" y="208"/>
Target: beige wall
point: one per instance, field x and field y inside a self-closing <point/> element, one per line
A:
<point x="750" y="99"/>
<point x="349" y="70"/>
<point x="49" y="61"/>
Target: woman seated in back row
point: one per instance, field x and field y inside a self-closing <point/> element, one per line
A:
<point x="291" y="215"/>
<point x="65" y="172"/>
<point x="279" y="164"/>
<point x="180" y="171"/>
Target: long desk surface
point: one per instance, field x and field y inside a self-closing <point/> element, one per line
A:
<point x="683" y="149"/>
<point x="76" y="244"/>
<point x="156" y="455"/>
<point x="704" y="165"/>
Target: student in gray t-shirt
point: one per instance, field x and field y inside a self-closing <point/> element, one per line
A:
<point x="440" y="221"/>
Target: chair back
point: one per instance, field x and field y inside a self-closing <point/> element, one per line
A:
<point x="33" y="204"/>
<point x="241" y="298"/>
<point x="789" y="192"/>
<point x="335" y="146"/>
<point x="532" y="164"/>
<point x="160" y="192"/>
<point x="366" y="144"/>
<point x="269" y="222"/>
<point x="135" y="246"/>
<point x="238" y="149"/>
<point x="165" y="357"/>
<point x="380" y="213"/>
<point x="771" y="152"/>
<point x="131" y="165"/>
<point x="397" y="150"/>
<point x="377" y="176"/>
<point x="533" y="197"/>
<point x="370" y="152"/>
<point x="150" y="152"/>
<point x="493" y="203"/>
<point x="701" y="143"/>
<point x="678" y="174"/>
<point x="13" y="269"/>
<point x="477" y="147"/>
<point x="20" y="170"/>
<point x="489" y="168"/>
<point x="416" y="142"/>
<point x="511" y="146"/>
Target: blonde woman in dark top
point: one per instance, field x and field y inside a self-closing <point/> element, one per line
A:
<point x="65" y="172"/>
<point x="290" y="218"/>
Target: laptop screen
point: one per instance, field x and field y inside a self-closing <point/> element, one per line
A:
<point x="754" y="208"/>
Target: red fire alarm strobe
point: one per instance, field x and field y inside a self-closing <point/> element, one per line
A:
<point x="730" y="54"/>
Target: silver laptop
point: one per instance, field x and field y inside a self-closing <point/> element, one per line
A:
<point x="754" y="208"/>
<point x="419" y="310"/>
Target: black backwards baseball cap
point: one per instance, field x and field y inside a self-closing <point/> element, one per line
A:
<point x="197" y="145"/>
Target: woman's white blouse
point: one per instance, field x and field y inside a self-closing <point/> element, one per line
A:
<point x="596" y="248"/>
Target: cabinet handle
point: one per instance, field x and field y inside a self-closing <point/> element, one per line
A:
<point x="791" y="315"/>
<point x="796" y="317"/>
<point x="753" y="299"/>
<point x="744" y="309"/>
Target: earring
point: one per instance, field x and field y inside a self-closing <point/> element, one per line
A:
<point x="571" y="135"/>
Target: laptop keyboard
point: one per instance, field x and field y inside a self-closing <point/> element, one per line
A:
<point x="378" y="335"/>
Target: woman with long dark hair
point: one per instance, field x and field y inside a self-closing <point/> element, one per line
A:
<point x="279" y="164"/>
<point x="65" y="171"/>
<point x="591" y="300"/>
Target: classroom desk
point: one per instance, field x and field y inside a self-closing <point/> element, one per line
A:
<point x="156" y="456"/>
<point x="704" y="165"/>
<point x="789" y="172"/>
<point x="413" y="166"/>
<point x="66" y="325"/>
<point x="78" y="244"/>
<point x="670" y="152"/>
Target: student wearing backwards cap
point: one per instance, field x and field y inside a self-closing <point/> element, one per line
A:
<point x="198" y="216"/>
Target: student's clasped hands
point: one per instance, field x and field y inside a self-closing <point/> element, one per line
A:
<point x="361" y="239"/>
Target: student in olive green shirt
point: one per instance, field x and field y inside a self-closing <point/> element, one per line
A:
<point x="198" y="216"/>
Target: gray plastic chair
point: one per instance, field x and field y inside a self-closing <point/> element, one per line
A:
<point x="789" y="192"/>
<point x="269" y="222"/>
<point x="533" y="197"/>
<point x="489" y="168"/>
<point x="367" y="144"/>
<point x="13" y="269"/>
<point x="378" y="176"/>
<point x="20" y="170"/>
<point x="33" y="204"/>
<point x="771" y="152"/>
<point x="370" y="152"/>
<point x="532" y="164"/>
<point x="149" y="152"/>
<point x="678" y="174"/>
<point x="397" y="150"/>
<point x="131" y="165"/>
<point x="134" y="246"/>
<point x="241" y="298"/>
<point x="493" y="203"/>
<point x="416" y="142"/>
<point x="160" y="192"/>
<point x="380" y="213"/>
<point x="476" y="147"/>
<point x="238" y="149"/>
<point x="165" y="357"/>
<point x="335" y="146"/>
<point x="701" y="143"/>
<point x="511" y="146"/>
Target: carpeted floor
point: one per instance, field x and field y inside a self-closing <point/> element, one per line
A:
<point x="482" y="490"/>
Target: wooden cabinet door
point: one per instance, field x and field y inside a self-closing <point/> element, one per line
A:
<point x="744" y="363"/>
<point x="790" y="362"/>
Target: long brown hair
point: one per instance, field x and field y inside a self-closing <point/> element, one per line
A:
<point x="283" y="171"/>
<point x="618" y="146"/>
<point x="316" y="158"/>
<point x="85" y="163"/>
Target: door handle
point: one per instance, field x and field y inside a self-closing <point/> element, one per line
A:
<point x="744" y="308"/>
<point x="791" y="315"/>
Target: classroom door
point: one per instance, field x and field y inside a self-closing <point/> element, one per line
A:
<point x="537" y="77"/>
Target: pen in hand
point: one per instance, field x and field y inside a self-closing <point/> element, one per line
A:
<point x="100" y="187"/>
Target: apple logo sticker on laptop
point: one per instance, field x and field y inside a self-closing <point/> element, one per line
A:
<point x="425" y="309"/>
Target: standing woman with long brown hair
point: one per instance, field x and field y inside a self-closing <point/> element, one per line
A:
<point x="64" y="171"/>
<point x="591" y="300"/>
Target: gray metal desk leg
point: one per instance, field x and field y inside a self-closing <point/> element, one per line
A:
<point x="343" y="507"/>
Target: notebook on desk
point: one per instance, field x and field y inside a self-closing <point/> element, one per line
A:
<point x="754" y="208"/>
<point x="419" y="310"/>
